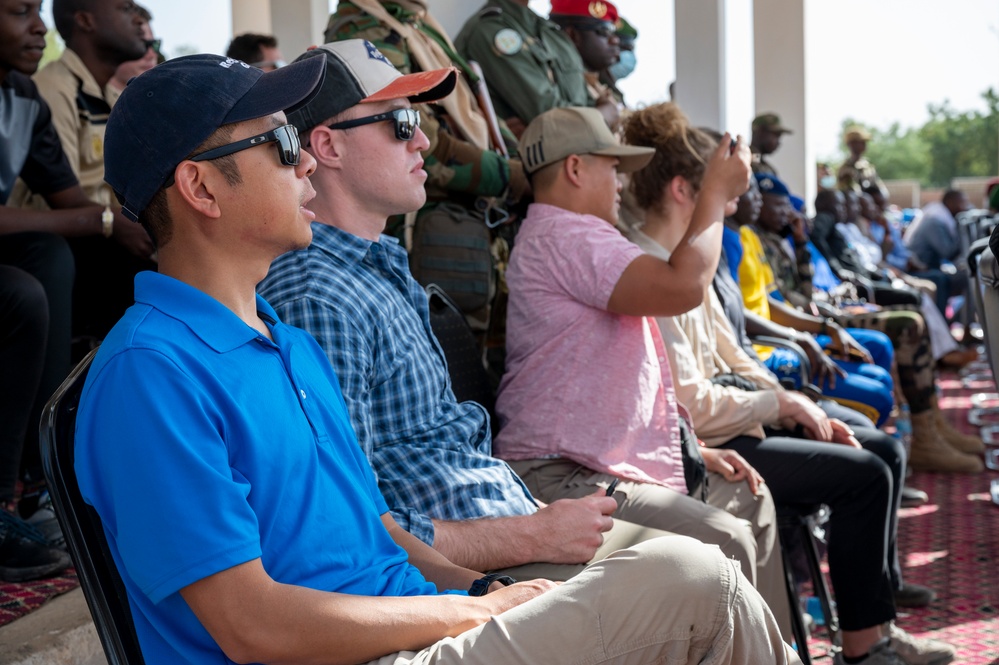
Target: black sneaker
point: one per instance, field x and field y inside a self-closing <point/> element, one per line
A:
<point x="22" y="556"/>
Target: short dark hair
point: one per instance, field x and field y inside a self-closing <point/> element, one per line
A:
<point x="248" y="47"/>
<point x="64" y="15"/>
<point x="155" y="218"/>
<point x="951" y="195"/>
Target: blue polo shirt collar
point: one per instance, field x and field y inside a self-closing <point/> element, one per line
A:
<point x="214" y="323"/>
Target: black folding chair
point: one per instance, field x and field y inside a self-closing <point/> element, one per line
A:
<point x="102" y="585"/>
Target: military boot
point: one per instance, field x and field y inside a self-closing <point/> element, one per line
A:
<point x="931" y="452"/>
<point x="966" y="443"/>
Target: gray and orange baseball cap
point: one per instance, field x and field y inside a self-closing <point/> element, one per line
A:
<point x="576" y="130"/>
<point x="358" y="73"/>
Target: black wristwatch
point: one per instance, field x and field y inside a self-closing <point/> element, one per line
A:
<point x="480" y="587"/>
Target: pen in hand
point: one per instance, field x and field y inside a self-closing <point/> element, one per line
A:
<point x="610" y="488"/>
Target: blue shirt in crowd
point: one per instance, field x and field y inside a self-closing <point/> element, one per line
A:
<point x="431" y="454"/>
<point x="203" y="445"/>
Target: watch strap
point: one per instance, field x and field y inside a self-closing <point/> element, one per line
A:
<point x="480" y="587"/>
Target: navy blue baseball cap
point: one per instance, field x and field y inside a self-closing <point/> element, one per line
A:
<point x="164" y="114"/>
<point x="771" y="184"/>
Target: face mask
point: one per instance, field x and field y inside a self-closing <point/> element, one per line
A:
<point x="624" y="66"/>
<point x="828" y="182"/>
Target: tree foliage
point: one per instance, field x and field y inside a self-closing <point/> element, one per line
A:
<point x="950" y="144"/>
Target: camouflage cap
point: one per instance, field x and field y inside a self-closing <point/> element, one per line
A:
<point x="770" y="121"/>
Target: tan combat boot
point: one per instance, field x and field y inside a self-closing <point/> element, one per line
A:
<point x="931" y="452"/>
<point x="965" y="443"/>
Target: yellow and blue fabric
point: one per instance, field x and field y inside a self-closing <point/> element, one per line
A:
<point x="867" y="388"/>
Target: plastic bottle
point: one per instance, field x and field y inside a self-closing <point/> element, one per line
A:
<point x="903" y="428"/>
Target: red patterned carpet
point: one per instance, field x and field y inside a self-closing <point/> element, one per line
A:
<point x="951" y="545"/>
<point x="16" y="600"/>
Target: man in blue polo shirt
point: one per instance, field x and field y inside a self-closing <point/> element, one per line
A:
<point x="214" y="443"/>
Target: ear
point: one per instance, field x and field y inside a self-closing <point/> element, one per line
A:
<point x="679" y="189"/>
<point x="198" y="185"/>
<point x="573" y="34"/>
<point x="84" y="21"/>
<point x="325" y="145"/>
<point x="574" y="167"/>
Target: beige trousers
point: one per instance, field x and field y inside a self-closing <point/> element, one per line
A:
<point x="743" y="526"/>
<point x="669" y="600"/>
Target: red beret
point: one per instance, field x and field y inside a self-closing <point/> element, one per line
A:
<point x="600" y="10"/>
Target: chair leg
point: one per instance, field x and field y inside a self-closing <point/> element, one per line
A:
<point x="797" y="621"/>
<point x="820" y="587"/>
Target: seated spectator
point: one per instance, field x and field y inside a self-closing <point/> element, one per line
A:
<point x="565" y="433"/>
<point x="936" y="445"/>
<point x="309" y="565"/>
<point x="260" y="51"/>
<point x="128" y="70"/>
<point x="758" y="421"/>
<point x="857" y="172"/>
<point x="884" y="228"/>
<point x="530" y="64"/>
<point x="936" y="240"/>
<point x="33" y="241"/>
<point x="23" y="337"/>
<point x="351" y="289"/>
<point x="468" y="179"/>
<point x="864" y="386"/>
<point x="75" y="89"/>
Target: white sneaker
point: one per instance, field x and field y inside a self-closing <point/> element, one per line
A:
<point x="919" y="650"/>
<point x="880" y="654"/>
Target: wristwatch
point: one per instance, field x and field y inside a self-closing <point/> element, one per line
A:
<point x="107" y="222"/>
<point x="480" y="587"/>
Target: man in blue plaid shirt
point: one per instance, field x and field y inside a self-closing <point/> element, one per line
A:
<point x="353" y="291"/>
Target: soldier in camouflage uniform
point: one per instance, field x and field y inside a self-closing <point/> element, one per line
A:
<point x="530" y="64"/>
<point x="857" y="173"/>
<point x="936" y="446"/>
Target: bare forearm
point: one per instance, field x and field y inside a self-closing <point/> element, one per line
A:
<point x="788" y="316"/>
<point x="436" y="568"/>
<point x="279" y="623"/>
<point x="70" y="223"/>
<point x="487" y="544"/>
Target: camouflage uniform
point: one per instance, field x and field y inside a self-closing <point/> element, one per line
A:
<point x="904" y="327"/>
<point x="531" y="66"/>
<point x="857" y="174"/>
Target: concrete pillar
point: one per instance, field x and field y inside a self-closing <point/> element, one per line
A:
<point x="714" y="55"/>
<point x="782" y="88"/>
<point x="297" y="24"/>
<point x="452" y="14"/>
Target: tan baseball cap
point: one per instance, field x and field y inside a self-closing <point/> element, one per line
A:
<point x="573" y="130"/>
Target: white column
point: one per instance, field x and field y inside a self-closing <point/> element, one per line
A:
<point x="714" y="56"/>
<point x="297" y="24"/>
<point x="452" y="14"/>
<point x="782" y="88"/>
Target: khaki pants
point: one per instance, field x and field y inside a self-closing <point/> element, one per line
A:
<point x="744" y="527"/>
<point x="668" y="600"/>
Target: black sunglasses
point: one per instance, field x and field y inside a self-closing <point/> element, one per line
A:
<point x="154" y="44"/>
<point x="406" y="121"/>
<point x="286" y="136"/>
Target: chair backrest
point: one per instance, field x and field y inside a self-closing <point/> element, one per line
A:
<point x="469" y="378"/>
<point x="988" y="291"/>
<point x="102" y="585"/>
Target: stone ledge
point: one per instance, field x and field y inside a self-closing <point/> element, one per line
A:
<point x="60" y="632"/>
